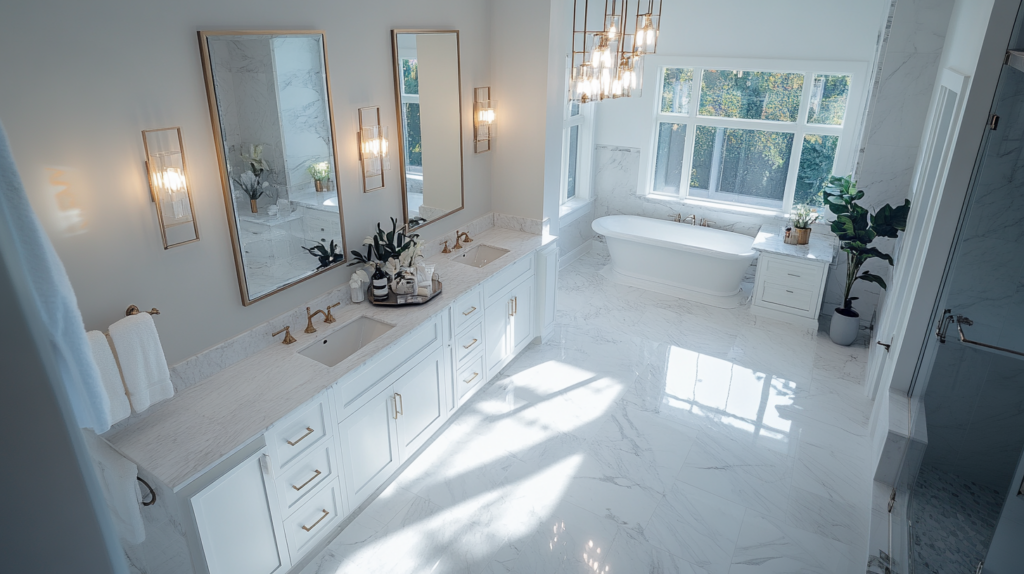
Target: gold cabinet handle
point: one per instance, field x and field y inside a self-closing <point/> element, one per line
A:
<point x="316" y="473"/>
<point x="473" y="342"/>
<point x="309" y="431"/>
<point x="515" y="305"/>
<point x="318" y="521"/>
<point x="510" y="311"/>
<point x="399" y="401"/>
<point x="470" y="312"/>
<point x="471" y="379"/>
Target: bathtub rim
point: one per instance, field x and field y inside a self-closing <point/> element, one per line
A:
<point x="602" y="229"/>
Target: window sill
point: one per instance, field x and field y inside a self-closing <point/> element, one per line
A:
<point x="573" y="209"/>
<point x="732" y="208"/>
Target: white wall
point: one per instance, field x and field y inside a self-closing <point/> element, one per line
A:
<point x="79" y="81"/>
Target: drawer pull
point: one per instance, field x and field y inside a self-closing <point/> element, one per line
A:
<point x="399" y="401"/>
<point x="470" y="312"/>
<point x="471" y="379"/>
<point x="316" y="473"/>
<point x="471" y="343"/>
<point x="318" y="521"/>
<point x="515" y="305"/>
<point x="309" y="431"/>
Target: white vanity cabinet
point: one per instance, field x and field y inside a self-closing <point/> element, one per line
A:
<point x="237" y="523"/>
<point x="508" y="323"/>
<point x="368" y="441"/>
<point x="790" y="281"/>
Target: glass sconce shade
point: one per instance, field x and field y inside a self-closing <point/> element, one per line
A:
<point x="168" y="184"/>
<point x="373" y="148"/>
<point x="484" y="116"/>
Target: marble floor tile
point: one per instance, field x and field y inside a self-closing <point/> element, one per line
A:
<point x="648" y="434"/>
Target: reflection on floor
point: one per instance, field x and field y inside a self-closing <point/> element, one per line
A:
<point x="649" y="435"/>
<point x="954" y="520"/>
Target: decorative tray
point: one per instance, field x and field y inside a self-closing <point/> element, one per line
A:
<point x="396" y="300"/>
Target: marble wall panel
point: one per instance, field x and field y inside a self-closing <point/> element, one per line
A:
<point x="574" y="234"/>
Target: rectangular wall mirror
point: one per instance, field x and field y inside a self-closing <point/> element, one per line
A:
<point x="428" y="98"/>
<point x="270" y="103"/>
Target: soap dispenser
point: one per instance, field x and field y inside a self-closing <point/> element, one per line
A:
<point x="380" y="284"/>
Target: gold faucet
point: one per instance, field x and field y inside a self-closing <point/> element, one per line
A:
<point x="329" y="318"/>
<point x="706" y="223"/>
<point x="691" y="219"/>
<point x="309" y="319"/>
<point x="458" y="238"/>
<point x="678" y="217"/>
<point x="446" y="248"/>
<point x="288" y="339"/>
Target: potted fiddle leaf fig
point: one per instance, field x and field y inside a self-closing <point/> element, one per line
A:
<point x="856" y="229"/>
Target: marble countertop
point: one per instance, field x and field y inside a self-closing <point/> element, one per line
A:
<point x="188" y="434"/>
<point x="821" y="247"/>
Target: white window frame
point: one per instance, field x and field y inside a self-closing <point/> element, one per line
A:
<point x="584" y="151"/>
<point x="849" y="132"/>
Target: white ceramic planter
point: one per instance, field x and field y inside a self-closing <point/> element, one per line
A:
<point x="843" y="330"/>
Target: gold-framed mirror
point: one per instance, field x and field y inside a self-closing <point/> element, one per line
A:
<point x="273" y="125"/>
<point x="428" y="103"/>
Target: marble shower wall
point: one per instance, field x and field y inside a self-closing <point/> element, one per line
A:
<point x="305" y="122"/>
<point x="247" y="101"/>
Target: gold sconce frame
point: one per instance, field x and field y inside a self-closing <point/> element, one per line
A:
<point x="169" y="186"/>
<point x="484" y="128"/>
<point x="374" y="157"/>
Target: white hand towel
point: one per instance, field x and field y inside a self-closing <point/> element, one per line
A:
<point x="55" y="309"/>
<point x="142" y="361"/>
<point x="117" y="400"/>
<point x="117" y="477"/>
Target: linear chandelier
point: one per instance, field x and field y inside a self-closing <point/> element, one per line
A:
<point x="608" y="57"/>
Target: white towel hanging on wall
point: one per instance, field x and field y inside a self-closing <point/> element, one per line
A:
<point x="143" y="365"/>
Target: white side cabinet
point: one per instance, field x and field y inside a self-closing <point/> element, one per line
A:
<point x="508" y="323"/>
<point x="789" y="289"/>
<point x="237" y="524"/>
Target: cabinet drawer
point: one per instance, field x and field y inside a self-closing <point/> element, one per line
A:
<point x="786" y="296"/>
<point x="469" y="341"/>
<point x="470" y="376"/>
<point x="793" y="273"/>
<point x="503" y="281"/>
<point x="304" y="476"/>
<point x="299" y="433"/>
<point x="468" y="308"/>
<point x="314" y="519"/>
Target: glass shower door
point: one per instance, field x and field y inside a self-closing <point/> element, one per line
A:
<point x="968" y="392"/>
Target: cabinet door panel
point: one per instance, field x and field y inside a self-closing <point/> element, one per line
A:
<point x="369" y="446"/>
<point x="420" y="396"/>
<point x="496" y="335"/>
<point x="522" y="318"/>
<point x="235" y="524"/>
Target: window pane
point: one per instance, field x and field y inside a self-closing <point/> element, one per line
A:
<point x="413" y="147"/>
<point x="751" y="95"/>
<point x="668" y="161"/>
<point x="742" y="166"/>
<point x="675" y="91"/>
<point x="574" y="109"/>
<point x="574" y="138"/>
<point x="410" y="77"/>
<point x="828" y="100"/>
<point x="816" y="160"/>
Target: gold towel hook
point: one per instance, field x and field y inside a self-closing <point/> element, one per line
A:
<point x="134" y="310"/>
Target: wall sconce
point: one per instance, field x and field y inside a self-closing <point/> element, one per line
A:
<point x="168" y="185"/>
<point x="373" y="148"/>
<point x="483" y="120"/>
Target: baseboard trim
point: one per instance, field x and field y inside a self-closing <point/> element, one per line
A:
<point x="575" y="254"/>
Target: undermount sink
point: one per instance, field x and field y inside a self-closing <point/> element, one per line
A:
<point x="480" y="255"/>
<point x="345" y="341"/>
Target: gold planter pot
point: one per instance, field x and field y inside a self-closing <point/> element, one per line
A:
<point x="803" y="236"/>
<point x="319" y="185"/>
<point x="252" y="206"/>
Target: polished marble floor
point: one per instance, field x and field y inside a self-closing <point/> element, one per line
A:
<point x="648" y="435"/>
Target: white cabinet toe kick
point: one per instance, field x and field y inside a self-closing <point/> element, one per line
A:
<point x="284" y="496"/>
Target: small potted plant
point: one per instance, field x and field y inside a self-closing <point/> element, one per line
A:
<point x="393" y="249"/>
<point x="856" y="229"/>
<point x="251" y="187"/>
<point x="802" y="217"/>
<point x="320" y="172"/>
<point x="327" y="256"/>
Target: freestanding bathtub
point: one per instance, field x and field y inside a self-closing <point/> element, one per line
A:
<point x="698" y="263"/>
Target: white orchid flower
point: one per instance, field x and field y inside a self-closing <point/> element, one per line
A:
<point x="368" y="240"/>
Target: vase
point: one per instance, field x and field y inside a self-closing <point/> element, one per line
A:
<point x="844" y="328"/>
<point x="319" y="185"/>
<point x="252" y="206"/>
<point x="803" y="235"/>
